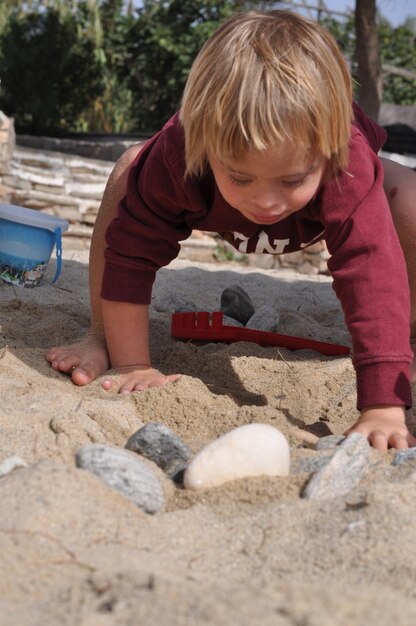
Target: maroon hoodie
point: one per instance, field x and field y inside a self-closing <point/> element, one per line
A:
<point x="351" y="213"/>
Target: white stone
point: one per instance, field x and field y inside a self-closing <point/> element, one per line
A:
<point x="11" y="463"/>
<point x="251" y="450"/>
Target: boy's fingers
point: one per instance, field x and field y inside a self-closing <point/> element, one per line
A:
<point x="130" y="385"/>
<point x="165" y="380"/>
<point x="398" y="442"/>
<point x="172" y="377"/>
<point x="378" y="440"/>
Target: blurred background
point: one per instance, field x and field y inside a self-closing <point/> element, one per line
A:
<point x="83" y="80"/>
<point x="119" y="66"/>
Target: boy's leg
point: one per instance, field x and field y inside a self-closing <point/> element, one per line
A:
<point x="88" y="358"/>
<point x="400" y="188"/>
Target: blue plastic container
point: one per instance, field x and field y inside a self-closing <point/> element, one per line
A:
<point x="27" y="239"/>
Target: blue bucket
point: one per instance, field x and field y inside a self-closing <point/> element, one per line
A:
<point x="27" y="239"/>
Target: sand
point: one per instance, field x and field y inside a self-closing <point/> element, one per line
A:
<point x="74" y="551"/>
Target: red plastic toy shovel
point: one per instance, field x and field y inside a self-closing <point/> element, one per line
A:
<point x="207" y="326"/>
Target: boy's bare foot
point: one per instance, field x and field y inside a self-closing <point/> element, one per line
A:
<point x="84" y="360"/>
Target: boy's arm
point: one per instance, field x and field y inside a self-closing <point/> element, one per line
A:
<point x="143" y="237"/>
<point x="370" y="279"/>
<point x="126" y="328"/>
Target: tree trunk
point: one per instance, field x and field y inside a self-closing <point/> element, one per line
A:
<point x="368" y="58"/>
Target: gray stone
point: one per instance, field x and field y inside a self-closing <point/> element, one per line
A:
<point x="329" y="442"/>
<point x="230" y="321"/>
<point x="236" y="303"/>
<point x="310" y="464"/>
<point x="404" y="456"/>
<point x="126" y="473"/>
<point x="265" y="318"/>
<point x="159" y="444"/>
<point x="342" y="472"/>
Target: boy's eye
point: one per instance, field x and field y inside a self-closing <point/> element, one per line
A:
<point x="294" y="183"/>
<point x="239" y="181"/>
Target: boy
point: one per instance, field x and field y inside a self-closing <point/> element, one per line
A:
<point x="268" y="150"/>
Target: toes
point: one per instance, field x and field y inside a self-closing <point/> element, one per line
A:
<point x="52" y="354"/>
<point x="83" y="375"/>
<point x="66" y="364"/>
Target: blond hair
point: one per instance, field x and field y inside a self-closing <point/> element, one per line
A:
<point x="263" y="78"/>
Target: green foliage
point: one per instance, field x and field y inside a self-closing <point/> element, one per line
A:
<point x="101" y="65"/>
<point x="397" y="48"/>
<point x="163" y="42"/>
<point x="343" y="32"/>
<point x="108" y="26"/>
<point x="47" y="77"/>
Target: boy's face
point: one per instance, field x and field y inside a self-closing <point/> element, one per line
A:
<point x="265" y="187"/>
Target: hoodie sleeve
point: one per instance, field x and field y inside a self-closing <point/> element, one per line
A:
<point x="369" y="277"/>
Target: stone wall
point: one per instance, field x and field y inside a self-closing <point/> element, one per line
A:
<point x="106" y="148"/>
<point x="60" y="184"/>
<point x="7" y="142"/>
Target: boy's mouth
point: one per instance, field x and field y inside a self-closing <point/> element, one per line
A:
<point x="265" y="218"/>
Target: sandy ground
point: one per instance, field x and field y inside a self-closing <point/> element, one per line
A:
<point x="75" y="552"/>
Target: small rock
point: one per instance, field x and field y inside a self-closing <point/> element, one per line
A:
<point x="310" y="464"/>
<point x="265" y="318"/>
<point x="342" y="472"/>
<point x="328" y="442"/>
<point x="236" y="303"/>
<point x="11" y="463"/>
<point x="160" y="444"/>
<point x="251" y="450"/>
<point x="230" y="321"/>
<point x="404" y="456"/>
<point x="123" y="471"/>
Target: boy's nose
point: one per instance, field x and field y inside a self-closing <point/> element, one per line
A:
<point x="269" y="200"/>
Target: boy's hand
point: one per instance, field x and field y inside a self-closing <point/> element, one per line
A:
<point x="138" y="377"/>
<point x="385" y="427"/>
